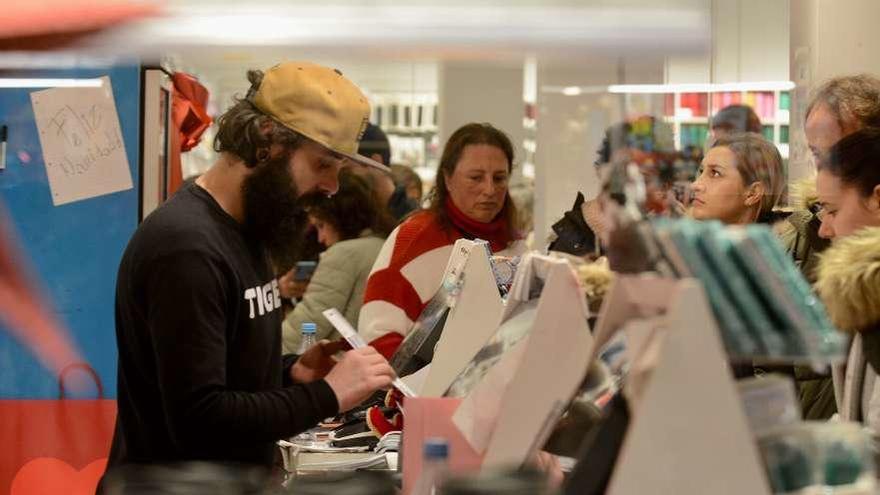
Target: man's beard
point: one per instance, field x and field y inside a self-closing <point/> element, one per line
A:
<point x="273" y="214"/>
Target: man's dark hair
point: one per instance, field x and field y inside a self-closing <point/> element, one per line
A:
<point x="375" y="142"/>
<point x="352" y="209"/>
<point x="737" y="118"/>
<point x="855" y="159"/>
<point x="405" y="176"/>
<point x="248" y="133"/>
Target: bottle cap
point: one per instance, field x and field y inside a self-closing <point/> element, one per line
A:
<point x="309" y="328"/>
<point x="436" y="448"/>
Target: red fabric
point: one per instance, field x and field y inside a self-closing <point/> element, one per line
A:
<point x="419" y="234"/>
<point x="416" y="236"/>
<point x="379" y="424"/>
<point x="190" y="112"/>
<point x="496" y="232"/>
<point x="403" y="296"/>
<point x="387" y="344"/>
<point x="189" y="120"/>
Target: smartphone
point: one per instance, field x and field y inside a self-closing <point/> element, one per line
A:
<point x="304" y="270"/>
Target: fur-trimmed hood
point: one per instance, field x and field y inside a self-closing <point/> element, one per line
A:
<point x="802" y="194"/>
<point x="848" y="280"/>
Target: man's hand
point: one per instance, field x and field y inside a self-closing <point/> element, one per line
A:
<point x="360" y="373"/>
<point x="317" y="361"/>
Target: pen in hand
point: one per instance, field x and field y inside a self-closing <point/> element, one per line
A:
<point x="3" y="147"/>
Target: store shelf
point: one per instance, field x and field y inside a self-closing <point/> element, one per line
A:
<point x="690" y="114"/>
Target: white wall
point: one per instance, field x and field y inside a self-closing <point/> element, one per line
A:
<point x="481" y="92"/>
<point x="841" y="34"/>
<point x="750" y="42"/>
<point x="828" y="38"/>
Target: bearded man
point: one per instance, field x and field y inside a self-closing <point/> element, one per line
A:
<point x="198" y="311"/>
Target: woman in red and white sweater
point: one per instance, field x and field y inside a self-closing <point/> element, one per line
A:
<point x="470" y="200"/>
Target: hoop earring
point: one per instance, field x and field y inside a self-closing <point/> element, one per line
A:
<point x="262" y="155"/>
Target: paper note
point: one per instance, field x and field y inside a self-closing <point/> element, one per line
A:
<point x="356" y="341"/>
<point x="82" y="142"/>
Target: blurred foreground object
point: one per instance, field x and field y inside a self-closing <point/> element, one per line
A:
<point x="47" y="24"/>
<point x="23" y="309"/>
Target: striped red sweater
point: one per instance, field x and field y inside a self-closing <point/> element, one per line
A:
<point x="407" y="273"/>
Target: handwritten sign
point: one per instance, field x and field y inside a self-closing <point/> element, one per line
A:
<point x="82" y="142"/>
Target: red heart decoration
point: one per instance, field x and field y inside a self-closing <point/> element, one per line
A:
<point x="47" y="475"/>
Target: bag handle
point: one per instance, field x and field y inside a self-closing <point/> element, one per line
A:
<point x="62" y="390"/>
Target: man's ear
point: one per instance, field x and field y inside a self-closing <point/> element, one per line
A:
<point x="754" y="194"/>
<point x="874" y="201"/>
<point x="376" y="157"/>
<point x="262" y="154"/>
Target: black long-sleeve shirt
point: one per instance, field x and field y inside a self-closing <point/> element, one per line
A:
<point x="198" y="322"/>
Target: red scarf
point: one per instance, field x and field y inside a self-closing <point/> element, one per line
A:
<point x="496" y="232"/>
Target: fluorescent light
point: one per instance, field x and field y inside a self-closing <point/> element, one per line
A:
<point x="702" y="88"/>
<point x="50" y="83"/>
<point x="197" y="24"/>
<point x="571" y="91"/>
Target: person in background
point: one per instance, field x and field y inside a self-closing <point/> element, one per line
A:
<point x="470" y="200"/>
<point x="740" y="182"/>
<point x="392" y="196"/>
<point x="353" y="228"/>
<point x="644" y="141"/>
<point x="198" y="316"/>
<point x="407" y="178"/>
<point x="374" y="144"/>
<point x="839" y="107"/>
<point x="734" y="119"/>
<point x="848" y="186"/>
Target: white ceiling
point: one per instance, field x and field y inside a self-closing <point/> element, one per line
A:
<point x="391" y="46"/>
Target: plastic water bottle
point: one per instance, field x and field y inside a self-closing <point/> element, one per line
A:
<point x="308" y="337"/>
<point x="434" y="465"/>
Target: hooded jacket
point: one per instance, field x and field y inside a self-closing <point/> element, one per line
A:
<point x="849" y="285"/>
<point x="578" y="231"/>
<point x="799" y="233"/>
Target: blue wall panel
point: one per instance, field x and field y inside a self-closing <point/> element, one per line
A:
<point x="74" y="249"/>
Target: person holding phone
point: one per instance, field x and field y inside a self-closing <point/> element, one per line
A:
<point x="352" y="226"/>
<point x="294" y="283"/>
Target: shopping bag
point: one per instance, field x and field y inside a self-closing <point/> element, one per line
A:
<point x="432" y="418"/>
<point x="56" y="446"/>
